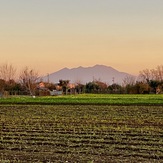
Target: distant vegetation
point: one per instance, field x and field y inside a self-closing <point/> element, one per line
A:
<point x="29" y="83"/>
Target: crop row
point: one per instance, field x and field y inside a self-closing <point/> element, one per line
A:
<point x="81" y="133"/>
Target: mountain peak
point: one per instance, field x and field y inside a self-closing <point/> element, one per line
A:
<point x="65" y="68"/>
<point x="88" y="74"/>
<point x="101" y="66"/>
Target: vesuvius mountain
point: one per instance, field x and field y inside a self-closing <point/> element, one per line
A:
<point x="87" y="74"/>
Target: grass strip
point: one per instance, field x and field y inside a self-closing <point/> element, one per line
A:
<point x="86" y="99"/>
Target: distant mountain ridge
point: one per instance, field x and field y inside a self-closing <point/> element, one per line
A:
<point x="84" y="75"/>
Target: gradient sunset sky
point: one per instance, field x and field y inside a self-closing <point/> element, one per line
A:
<point x="52" y="34"/>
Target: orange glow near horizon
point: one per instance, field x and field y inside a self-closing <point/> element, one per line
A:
<point x="50" y="35"/>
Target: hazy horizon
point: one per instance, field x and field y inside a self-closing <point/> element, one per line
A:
<point x="50" y="35"/>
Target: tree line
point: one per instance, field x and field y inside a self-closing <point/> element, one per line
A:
<point x="28" y="83"/>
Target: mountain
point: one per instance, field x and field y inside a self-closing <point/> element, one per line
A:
<point x="87" y="74"/>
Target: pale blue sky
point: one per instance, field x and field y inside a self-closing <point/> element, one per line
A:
<point x="69" y="33"/>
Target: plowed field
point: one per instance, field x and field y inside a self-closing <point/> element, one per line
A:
<point x="81" y="133"/>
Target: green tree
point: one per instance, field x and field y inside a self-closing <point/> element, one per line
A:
<point x="115" y="88"/>
<point x="2" y="87"/>
<point x="64" y="85"/>
<point x="96" y="87"/>
<point x="153" y="84"/>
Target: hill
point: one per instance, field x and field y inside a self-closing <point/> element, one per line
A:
<point x="86" y="74"/>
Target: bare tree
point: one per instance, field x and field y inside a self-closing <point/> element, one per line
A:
<point x="152" y="74"/>
<point x="129" y="80"/>
<point x="29" y="78"/>
<point x="7" y="72"/>
<point x="145" y="74"/>
<point x="159" y="70"/>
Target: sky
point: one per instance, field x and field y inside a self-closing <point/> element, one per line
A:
<point x="48" y="35"/>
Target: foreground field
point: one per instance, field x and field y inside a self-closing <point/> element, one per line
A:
<point x="81" y="133"/>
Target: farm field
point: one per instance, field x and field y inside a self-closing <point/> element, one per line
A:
<point x="81" y="133"/>
<point x="87" y="99"/>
